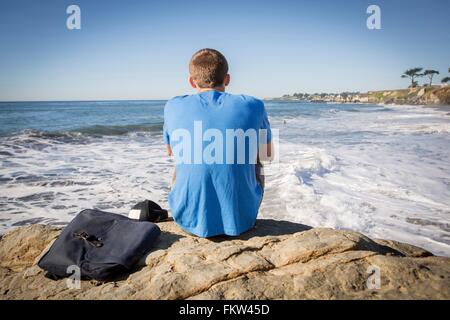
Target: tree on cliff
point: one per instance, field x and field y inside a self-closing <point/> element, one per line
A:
<point x="413" y="74"/>
<point x="446" y="79"/>
<point x="430" y="74"/>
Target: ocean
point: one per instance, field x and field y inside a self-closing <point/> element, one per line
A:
<point x="380" y="170"/>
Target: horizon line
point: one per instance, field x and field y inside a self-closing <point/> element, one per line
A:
<point x="166" y="99"/>
<point x="83" y="100"/>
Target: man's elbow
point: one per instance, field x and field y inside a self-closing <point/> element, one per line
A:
<point x="266" y="153"/>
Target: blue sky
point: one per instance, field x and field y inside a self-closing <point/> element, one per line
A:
<point x="140" y="49"/>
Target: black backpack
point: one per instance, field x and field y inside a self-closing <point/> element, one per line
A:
<point x="102" y="245"/>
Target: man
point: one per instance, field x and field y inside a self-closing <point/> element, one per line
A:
<point x="217" y="140"/>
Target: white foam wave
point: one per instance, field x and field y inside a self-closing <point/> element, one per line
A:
<point x="51" y="184"/>
<point x="389" y="179"/>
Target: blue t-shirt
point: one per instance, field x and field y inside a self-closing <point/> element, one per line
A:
<point x="214" y="137"/>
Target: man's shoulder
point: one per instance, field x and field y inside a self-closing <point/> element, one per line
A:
<point x="177" y="103"/>
<point x="248" y="100"/>
<point x="177" y="99"/>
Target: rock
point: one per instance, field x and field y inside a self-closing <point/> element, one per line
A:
<point x="275" y="260"/>
<point x="404" y="249"/>
<point x="20" y="248"/>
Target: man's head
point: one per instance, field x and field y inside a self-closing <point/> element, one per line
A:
<point x="208" y="69"/>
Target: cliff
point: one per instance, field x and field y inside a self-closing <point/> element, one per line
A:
<point x="414" y="96"/>
<point x="276" y="260"/>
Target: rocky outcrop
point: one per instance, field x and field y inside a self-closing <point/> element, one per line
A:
<point x="275" y="260"/>
<point x="414" y="96"/>
<point x="428" y="96"/>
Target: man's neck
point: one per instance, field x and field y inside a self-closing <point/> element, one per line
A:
<point x="222" y="89"/>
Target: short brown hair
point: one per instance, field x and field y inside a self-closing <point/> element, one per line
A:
<point x="208" y="68"/>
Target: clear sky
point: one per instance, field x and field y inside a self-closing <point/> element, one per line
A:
<point x="140" y="49"/>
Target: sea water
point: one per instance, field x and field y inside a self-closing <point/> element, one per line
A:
<point x="380" y="170"/>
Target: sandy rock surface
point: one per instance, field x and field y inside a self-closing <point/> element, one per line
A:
<point x="275" y="260"/>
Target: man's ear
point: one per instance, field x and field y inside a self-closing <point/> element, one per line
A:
<point x="227" y="80"/>
<point x="192" y="83"/>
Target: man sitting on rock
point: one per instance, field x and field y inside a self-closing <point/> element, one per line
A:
<point x="218" y="140"/>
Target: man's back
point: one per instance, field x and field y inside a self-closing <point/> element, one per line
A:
<point x="214" y="137"/>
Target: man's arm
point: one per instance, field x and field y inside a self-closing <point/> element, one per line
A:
<point x="170" y="154"/>
<point x="265" y="153"/>
<point x="169" y="150"/>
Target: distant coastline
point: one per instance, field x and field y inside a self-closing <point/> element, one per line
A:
<point x="430" y="95"/>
